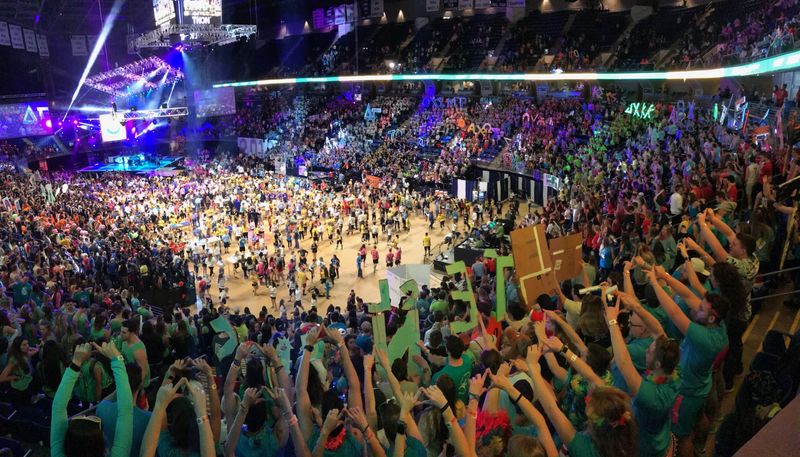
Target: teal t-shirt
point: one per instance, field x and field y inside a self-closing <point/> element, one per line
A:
<point x="460" y="376"/>
<point x="166" y="449"/>
<point x="699" y="349"/>
<point x="22" y="293"/>
<point x="637" y="348"/>
<point x="652" y="408"/>
<point x="414" y="448"/>
<point x="350" y="446"/>
<point x="582" y="446"/>
<point x="262" y="443"/>
<point x="107" y="412"/>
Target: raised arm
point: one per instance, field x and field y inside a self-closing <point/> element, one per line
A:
<point x="475" y="390"/>
<point x="457" y="438"/>
<point x="529" y="411"/>
<point x="719" y="224"/>
<point x="437" y="360"/>
<point x="547" y="398"/>
<point x="251" y="397"/>
<point x="123" y="434"/>
<point x="720" y="254"/>
<point x="568" y="330"/>
<point x="215" y="415"/>
<point x="357" y="417"/>
<point x="166" y="393"/>
<point x="621" y="355"/>
<point x="369" y="392"/>
<point x="59" y="419"/>
<point x="353" y="383"/>
<point x="301" y="386"/>
<point x="198" y="397"/>
<point x="229" y="397"/>
<point x="554" y="345"/>
<point x="674" y="312"/>
<point x="558" y="371"/>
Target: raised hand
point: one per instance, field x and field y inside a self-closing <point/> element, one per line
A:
<point x="252" y="396"/>
<point x="435" y="396"/>
<point x="268" y="351"/>
<point x="357" y="416"/>
<point x="243" y="350"/>
<point x="203" y="366"/>
<point x="369" y="362"/>
<point x="383" y="358"/>
<point x="501" y="381"/>
<point x="332" y="420"/>
<point x="168" y="392"/>
<point x="476" y="383"/>
<point x="198" y="396"/>
<point x="108" y="350"/>
<point x="552" y="344"/>
<point x="335" y="335"/>
<point x="533" y="356"/>
<point x="82" y="353"/>
<point x="612" y="312"/>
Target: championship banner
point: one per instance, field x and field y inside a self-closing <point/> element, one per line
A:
<point x="482" y="4"/>
<point x="30" y="40"/>
<point x="78" y="43"/>
<point x="252" y="146"/>
<point x="373" y="181"/>
<point x="432" y="5"/>
<point x="567" y="254"/>
<point x="465" y="4"/>
<point x="41" y="41"/>
<point x="16" y="36"/>
<point x="449" y="4"/>
<point x="532" y="261"/>
<point x="5" y="38"/>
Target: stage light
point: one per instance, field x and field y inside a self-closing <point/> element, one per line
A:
<point x="773" y="64"/>
<point x="48" y="123"/>
<point x="98" y="46"/>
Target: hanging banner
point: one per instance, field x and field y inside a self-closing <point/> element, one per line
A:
<point x="499" y="3"/>
<point x="16" y="36"/>
<point x="516" y="3"/>
<point x="5" y="38"/>
<point x="90" y="42"/>
<point x="465" y="4"/>
<point x="30" y="40"/>
<point x="376" y="8"/>
<point x="252" y="146"/>
<point x="481" y="4"/>
<point x="450" y="4"/>
<point x="432" y="5"/>
<point x="79" y="45"/>
<point x="41" y="42"/>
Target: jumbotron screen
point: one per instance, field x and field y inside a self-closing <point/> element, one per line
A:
<point x="202" y="11"/>
<point x="164" y="11"/>
<point x="215" y="102"/>
<point x="25" y="119"/>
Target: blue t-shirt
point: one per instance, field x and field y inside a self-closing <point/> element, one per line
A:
<point x="637" y="348"/>
<point x="107" y="412"/>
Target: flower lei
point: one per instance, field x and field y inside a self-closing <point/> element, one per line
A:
<point x="489" y="426"/>
<point x="334" y="442"/>
<point x="661" y="379"/>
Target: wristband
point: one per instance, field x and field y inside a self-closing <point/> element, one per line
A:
<point x="444" y="408"/>
<point x="519" y="397"/>
<point x="309" y="348"/>
<point x="564" y="349"/>
<point x="202" y="419"/>
<point x="75" y="367"/>
<point x="573" y="358"/>
<point x="475" y="396"/>
<point x="612" y="322"/>
<point x="121" y="359"/>
<point x="293" y="421"/>
<point x="279" y="368"/>
<point x="236" y="363"/>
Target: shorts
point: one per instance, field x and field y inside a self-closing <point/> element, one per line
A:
<point x="689" y="410"/>
<point x="374" y="261"/>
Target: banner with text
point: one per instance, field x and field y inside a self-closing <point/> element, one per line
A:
<point x="432" y="5"/>
<point x="16" y="36"/>
<point x="5" y="38"/>
<point x="41" y="41"/>
<point x="465" y="4"/>
<point x="252" y="146"/>
<point x="78" y="43"/>
<point x="30" y="40"/>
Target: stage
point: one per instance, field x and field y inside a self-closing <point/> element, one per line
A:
<point x="138" y="164"/>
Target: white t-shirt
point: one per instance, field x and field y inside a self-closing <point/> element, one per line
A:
<point x="676" y="204"/>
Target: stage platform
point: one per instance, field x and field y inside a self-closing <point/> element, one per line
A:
<point x="138" y="165"/>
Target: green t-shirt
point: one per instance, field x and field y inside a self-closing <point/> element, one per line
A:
<point x="460" y="376"/>
<point x="22" y="293"/>
<point x="438" y="305"/>
<point x="582" y="446"/>
<point x="699" y="349"/>
<point x="652" y="408"/>
<point x="414" y="448"/>
<point x="128" y="353"/>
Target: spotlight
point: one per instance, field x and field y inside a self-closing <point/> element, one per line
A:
<point x="48" y="123"/>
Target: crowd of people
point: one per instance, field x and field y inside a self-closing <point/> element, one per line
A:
<point x="116" y="292"/>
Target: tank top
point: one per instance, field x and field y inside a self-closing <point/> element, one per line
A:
<point x="128" y="351"/>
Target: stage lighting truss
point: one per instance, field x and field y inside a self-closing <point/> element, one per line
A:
<point x="160" y="113"/>
<point x="136" y="77"/>
<point x="194" y="35"/>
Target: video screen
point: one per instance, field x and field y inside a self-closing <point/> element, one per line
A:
<point x="202" y="11"/>
<point x="164" y="11"/>
<point x="111" y="129"/>
<point x="25" y="119"/>
<point x="215" y="102"/>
